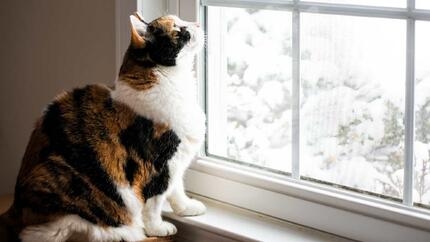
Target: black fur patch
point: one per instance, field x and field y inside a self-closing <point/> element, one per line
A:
<point x="165" y="147"/>
<point x="139" y="137"/>
<point x="78" y="154"/>
<point x="163" y="49"/>
<point x="140" y="55"/>
<point x="103" y="216"/>
<point x="77" y="188"/>
<point x="108" y="105"/>
<point x="157" y="185"/>
<point x="130" y="169"/>
<point x="184" y="36"/>
<point x="160" y="48"/>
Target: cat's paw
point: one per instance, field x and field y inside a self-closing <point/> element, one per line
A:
<point x="162" y="229"/>
<point x="192" y="208"/>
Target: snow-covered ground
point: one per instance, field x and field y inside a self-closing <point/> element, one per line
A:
<point x="351" y="99"/>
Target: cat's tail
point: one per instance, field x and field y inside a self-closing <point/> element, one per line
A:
<point x="10" y="225"/>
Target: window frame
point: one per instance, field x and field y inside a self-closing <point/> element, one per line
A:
<point x="372" y="218"/>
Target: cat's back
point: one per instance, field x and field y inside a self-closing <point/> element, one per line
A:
<point x="78" y="122"/>
<point x="74" y="160"/>
<point x="89" y="111"/>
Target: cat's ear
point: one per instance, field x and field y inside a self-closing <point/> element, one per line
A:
<point x="138" y="29"/>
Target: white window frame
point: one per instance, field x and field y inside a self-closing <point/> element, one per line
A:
<point x="336" y="211"/>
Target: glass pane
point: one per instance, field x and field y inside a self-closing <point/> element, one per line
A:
<point x="380" y="3"/>
<point x="422" y="115"/>
<point x="352" y="101"/>
<point x="423" y="4"/>
<point x="250" y="99"/>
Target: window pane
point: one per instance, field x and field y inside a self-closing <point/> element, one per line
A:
<point x="381" y="3"/>
<point x="422" y="115"/>
<point x="423" y="4"/>
<point x="249" y="82"/>
<point x="352" y="101"/>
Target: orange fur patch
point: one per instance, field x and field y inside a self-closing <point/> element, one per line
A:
<point x="138" y="77"/>
<point x="166" y="24"/>
<point x="160" y="129"/>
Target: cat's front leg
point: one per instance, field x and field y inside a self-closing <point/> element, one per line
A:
<point x="154" y="224"/>
<point x="182" y="205"/>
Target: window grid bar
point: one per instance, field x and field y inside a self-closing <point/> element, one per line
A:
<point x="326" y="8"/>
<point x="408" y="180"/>
<point x="364" y="11"/>
<point x="295" y="158"/>
<point x="202" y="74"/>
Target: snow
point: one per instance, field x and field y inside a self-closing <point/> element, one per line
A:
<point x="424" y="4"/>
<point x="351" y="99"/>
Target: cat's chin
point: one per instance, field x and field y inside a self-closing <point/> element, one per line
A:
<point x="197" y="41"/>
<point x="189" y="52"/>
<point x="185" y="59"/>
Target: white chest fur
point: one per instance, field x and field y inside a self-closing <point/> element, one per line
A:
<point x="172" y="101"/>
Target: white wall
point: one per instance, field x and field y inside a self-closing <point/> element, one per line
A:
<point x="47" y="46"/>
<point x="151" y="9"/>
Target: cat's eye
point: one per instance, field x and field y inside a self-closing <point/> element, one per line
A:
<point x="176" y="27"/>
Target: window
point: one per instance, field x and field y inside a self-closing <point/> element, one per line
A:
<point x="253" y="83"/>
<point x="352" y="101"/>
<point x="422" y="115"/>
<point x="327" y="91"/>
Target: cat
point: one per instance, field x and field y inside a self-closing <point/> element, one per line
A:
<point x="100" y="162"/>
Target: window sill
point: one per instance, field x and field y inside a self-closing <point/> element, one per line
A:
<point x="228" y="223"/>
<point x="352" y="216"/>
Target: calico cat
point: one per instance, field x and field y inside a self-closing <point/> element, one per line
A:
<point x="101" y="162"/>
